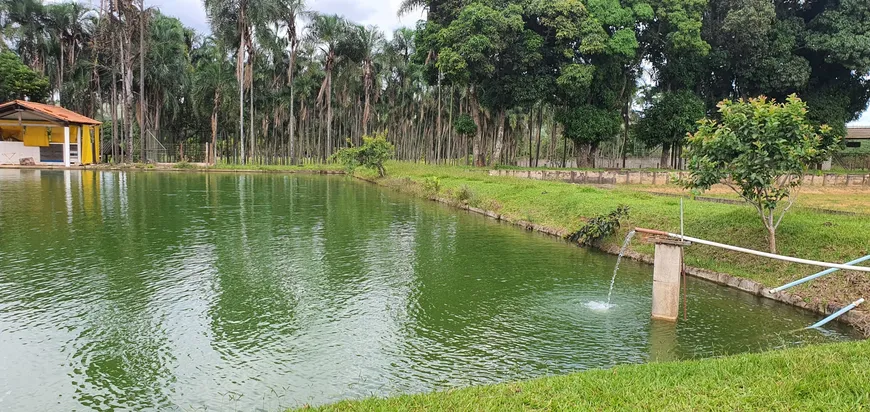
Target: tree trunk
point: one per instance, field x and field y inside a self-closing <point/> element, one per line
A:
<point x="214" y="117"/>
<point x="529" y="125"/>
<point x="292" y="140"/>
<point x="582" y="151"/>
<point x="771" y="238"/>
<point x="626" y="124"/>
<point x="666" y="153"/>
<point x="478" y="137"/>
<point x="499" y="140"/>
<point x="538" y="135"/>
<point x="240" y="72"/>
<point x="251" y="140"/>
<point x="114" y="117"/>
<point x="128" y="94"/>
<point x="328" y="151"/>
<point x="142" y="135"/>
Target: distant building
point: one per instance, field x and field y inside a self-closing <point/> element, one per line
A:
<point x="857" y="139"/>
<point x="45" y="134"/>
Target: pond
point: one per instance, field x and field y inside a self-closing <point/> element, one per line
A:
<point x="149" y="290"/>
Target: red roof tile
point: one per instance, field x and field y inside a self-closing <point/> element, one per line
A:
<point x="55" y="112"/>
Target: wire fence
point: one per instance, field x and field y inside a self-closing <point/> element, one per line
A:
<point x="851" y="161"/>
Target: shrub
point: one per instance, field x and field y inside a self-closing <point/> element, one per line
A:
<point x="372" y="154"/>
<point x="464" y="194"/>
<point x="599" y="227"/>
<point x="431" y="185"/>
<point x="183" y="165"/>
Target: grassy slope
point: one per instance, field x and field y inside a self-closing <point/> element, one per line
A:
<point x="826" y="377"/>
<point x="804" y="232"/>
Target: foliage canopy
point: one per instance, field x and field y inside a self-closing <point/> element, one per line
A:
<point x="760" y="149"/>
<point x="371" y="154"/>
<point x="19" y="82"/>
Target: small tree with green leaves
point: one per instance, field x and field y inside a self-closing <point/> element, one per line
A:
<point x="17" y="81"/>
<point x="465" y="127"/>
<point x="372" y="154"/>
<point x="760" y="149"/>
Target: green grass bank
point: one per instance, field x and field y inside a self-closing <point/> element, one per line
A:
<point x="822" y="377"/>
<point x="805" y="231"/>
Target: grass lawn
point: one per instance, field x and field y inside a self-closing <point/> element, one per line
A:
<point x="804" y="232"/>
<point x="823" y="377"/>
<point x="854" y="199"/>
<point x="280" y="168"/>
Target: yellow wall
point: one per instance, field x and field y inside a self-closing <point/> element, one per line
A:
<point x="10" y="132"/>
<point x="35" y="136"/>
<point x="88" y="150"/>
<point x="39" y="136"/>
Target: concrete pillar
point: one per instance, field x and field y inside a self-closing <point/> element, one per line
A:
<point x="663" y="341"/>
<point x="66" y="146"/>
<point x="666" y="279"/>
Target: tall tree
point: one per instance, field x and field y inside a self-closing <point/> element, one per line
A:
<point x="291" y="10"/>
<point x="329" y="32"/>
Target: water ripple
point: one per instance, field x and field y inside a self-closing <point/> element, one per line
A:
<point x="260" y="292"/>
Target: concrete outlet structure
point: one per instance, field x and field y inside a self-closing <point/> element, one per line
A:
<point x="666" y="279"/>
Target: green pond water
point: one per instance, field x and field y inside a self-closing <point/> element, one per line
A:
<point x="189" y="291"/>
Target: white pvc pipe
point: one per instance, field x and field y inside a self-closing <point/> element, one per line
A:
<point x="817" y="275"/>
<point x="837" y="314"/>
<point x="770" y="255"/>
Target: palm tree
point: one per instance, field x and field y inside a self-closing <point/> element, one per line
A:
<point x="239" y="19"/>
<point x="25" y="21"/>
<point x="167" y="68"/>
<point x="212" y="84"/>
<point x="290" y="11"/>
<point x="328" y="32"/>
<point x="70" y="26"/>
<point x="408" y="5"/>
<point x="371" y="43"/>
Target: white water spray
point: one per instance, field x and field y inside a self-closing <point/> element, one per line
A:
<point x="602" y="306"/>
<point x="618" y="260"/>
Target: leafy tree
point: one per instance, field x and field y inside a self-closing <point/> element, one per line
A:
<point x="464" y="125"/>
<point x="371" y="154"/>
<point x="470" y="49"/>
<point x="19" y="82"/>
<point x="761" y="150"/>
<point x="587" y="125"/>
<point x="212" y="86"/>
<point x="239" y="19"/>
<point x="666" y="123"/>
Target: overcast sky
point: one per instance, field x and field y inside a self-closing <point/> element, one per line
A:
<point x="381" y="13"/>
